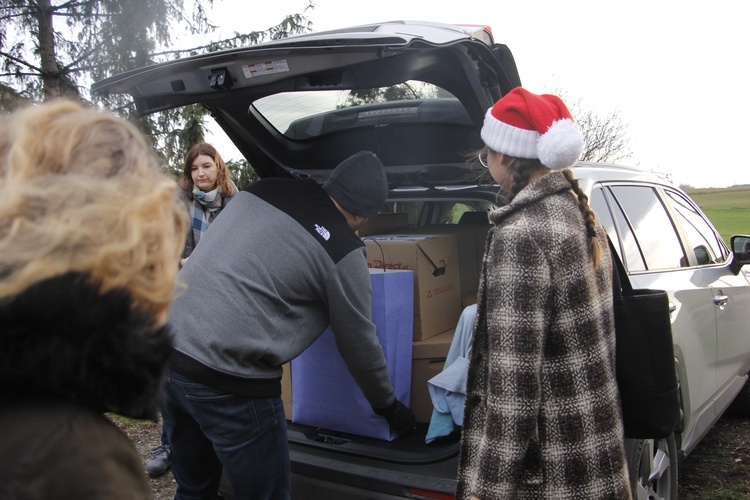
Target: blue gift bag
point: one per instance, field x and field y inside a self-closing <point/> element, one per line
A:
<point x="325" y="395"/>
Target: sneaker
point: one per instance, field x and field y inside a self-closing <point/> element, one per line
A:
<point x="160" y="461"/>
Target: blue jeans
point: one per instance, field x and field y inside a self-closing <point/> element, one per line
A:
<point x="209" y="430"/>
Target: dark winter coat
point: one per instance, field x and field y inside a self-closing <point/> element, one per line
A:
<point x="542" y="416"/>
<point x="68" y="354"/>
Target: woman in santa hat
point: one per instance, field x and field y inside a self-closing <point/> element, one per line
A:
<point x="542" y="416"/>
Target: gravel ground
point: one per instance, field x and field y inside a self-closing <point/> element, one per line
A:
<point x="718" y="469"/>
<point x="146" y="436"/>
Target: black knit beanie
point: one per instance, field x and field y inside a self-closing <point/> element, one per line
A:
<point x="359" y="184"/>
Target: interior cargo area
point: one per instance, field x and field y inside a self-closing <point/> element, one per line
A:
<point x="445" y="259"/>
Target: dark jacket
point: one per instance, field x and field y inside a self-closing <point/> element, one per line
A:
<point x="68" y="354"/>
<point x="542" y="416"/>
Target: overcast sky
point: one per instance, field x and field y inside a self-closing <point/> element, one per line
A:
<point x="676" y="70"/>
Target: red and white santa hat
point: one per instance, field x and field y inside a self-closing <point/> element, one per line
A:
<point x="527" y="125"/>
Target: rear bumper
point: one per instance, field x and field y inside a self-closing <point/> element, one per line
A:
<point x="319" y="473"/>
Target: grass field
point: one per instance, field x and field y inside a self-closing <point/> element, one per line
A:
<point x="728" y="209"/>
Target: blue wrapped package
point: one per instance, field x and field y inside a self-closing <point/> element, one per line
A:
<point x="325" y="394"/>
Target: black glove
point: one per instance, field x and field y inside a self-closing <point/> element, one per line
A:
<point x="399" y="417"/>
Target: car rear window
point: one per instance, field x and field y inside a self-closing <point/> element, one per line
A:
<point x="308" y="114"/>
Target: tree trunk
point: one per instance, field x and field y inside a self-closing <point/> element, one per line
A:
<point x="50" y="70"/>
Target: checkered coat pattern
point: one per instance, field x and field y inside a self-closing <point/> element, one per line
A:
<point x="542" y="416"/>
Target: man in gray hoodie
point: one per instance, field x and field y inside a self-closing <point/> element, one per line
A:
<point x="281" y="264"/>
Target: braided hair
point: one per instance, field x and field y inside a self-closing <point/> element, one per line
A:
<point x="595" y="249"/>
<point x="523" y="168"/>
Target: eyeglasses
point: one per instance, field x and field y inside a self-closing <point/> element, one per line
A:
<point x="484" y="159"/>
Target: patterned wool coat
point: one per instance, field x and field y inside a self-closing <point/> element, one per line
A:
<point x="542" y="416"/>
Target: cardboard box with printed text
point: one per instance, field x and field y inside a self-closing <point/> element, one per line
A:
<point x="434" y="260"/>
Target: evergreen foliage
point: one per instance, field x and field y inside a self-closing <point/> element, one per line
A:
<point x="58" y="48"/>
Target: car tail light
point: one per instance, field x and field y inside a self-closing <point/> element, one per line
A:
<point x="431" y="494"/>
<point x="481" y="32"/>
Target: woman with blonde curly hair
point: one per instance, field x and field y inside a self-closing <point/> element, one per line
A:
<point x="90" y="235"/>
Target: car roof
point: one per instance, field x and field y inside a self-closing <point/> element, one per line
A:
<point x="421" y="142"/>
<point x="590" y="173"/>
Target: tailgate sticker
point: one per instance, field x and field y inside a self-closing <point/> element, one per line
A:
<point x="265" y="68"/>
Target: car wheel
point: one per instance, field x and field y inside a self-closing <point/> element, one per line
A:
<point x="653" y="468"/>
<point x="740" y="407"/>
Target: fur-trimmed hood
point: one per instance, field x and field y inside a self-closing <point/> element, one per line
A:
<point x="62" y="338"/>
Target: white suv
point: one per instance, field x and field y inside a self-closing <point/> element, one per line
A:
<point x="415" y="94"/>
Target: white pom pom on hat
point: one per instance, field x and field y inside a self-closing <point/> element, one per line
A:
<point x="527" y="125"/>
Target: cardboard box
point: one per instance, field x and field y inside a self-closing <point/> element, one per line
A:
<point x="326" y="395"/>
<point x="428" y="359"/>
<point x="434" y="260"/>
<point x="470" y="242"/>
<point x="384" y="223"/>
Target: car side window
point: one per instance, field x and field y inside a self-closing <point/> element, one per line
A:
<point x="458" y="211"/>
<point x="655" y="237"/>
<point x="701" y="238"/>
<point x="412" y="208"/>
<point x="599" y="205"/>
<point x="614" y="221"/>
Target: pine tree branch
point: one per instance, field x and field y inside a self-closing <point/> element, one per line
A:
<point x="71" y="66"/>
<point x="17" y="74"/>
<point x="76" y="15"/>
<point x="7" y="17"/>
<point x="72" y="4"/>
<point x="21" y="62"/>
<point x="202" y="48"/>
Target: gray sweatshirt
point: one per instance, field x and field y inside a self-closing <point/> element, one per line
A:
<point x="269" y="276"/>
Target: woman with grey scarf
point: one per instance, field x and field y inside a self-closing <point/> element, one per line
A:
<point x="207" y="187"/>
